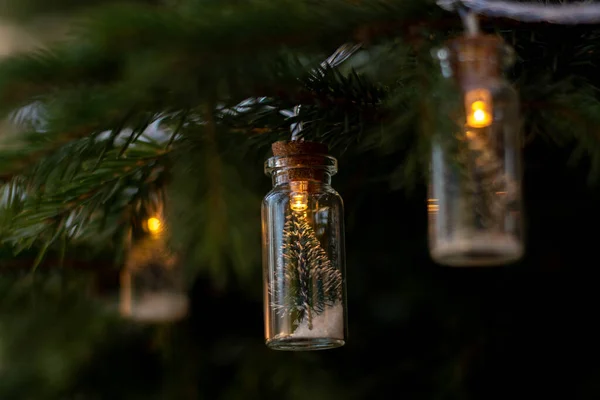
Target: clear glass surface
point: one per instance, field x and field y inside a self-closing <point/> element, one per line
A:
<point x="303" y="259"/>
<point x="474" y="202"/>
<point x="152" y="287"/>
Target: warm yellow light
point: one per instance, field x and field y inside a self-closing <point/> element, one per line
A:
<point x="479" y="116"/>
<point x="154" y="225"/>
<point x="432" y="206"/>
<point x="479" y="108"/>
<point x="299" y="196"/>
<point x="299" y="202"/>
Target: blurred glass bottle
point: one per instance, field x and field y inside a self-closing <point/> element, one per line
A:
<point x="152" y="287"/>
<point x="475" y="206"/>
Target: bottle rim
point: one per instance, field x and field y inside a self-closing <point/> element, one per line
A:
<point x="483" y="47"/>
<point x="322" y="162"/>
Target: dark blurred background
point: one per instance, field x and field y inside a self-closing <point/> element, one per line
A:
<point x="417" y="330"/>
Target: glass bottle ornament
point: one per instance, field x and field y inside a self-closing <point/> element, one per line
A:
<point x="152" y="287"/>
<point x="475" y="206"/>
<point x="303" y="250"/>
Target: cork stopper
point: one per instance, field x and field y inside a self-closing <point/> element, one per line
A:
<point x="300" y="161"/>
<point x="477" y="57"/>
<point x="292" y="148"/>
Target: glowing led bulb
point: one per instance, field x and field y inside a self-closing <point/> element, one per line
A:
<point x="155" y="225"/>
<point x="479" y="116"/>
<point x="478" y="104"/>
<point x="299" y="201"/>
<point x="432" y="206"/>
<point x="299" y="196"/>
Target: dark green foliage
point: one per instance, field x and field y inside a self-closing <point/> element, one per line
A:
<point x="129" y="66"/>
<point x="126" y="66"/>
<point x="30" y="9"/>
<point x="214" y="216"/>
<point x="83" y="200"/>
<point x="49" y="328"/>
<point x="77" y="175"/>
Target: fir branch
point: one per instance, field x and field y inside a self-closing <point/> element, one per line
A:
<point x="107" y="40"/>
<point x="248" y="27"/>
<point x="79" y="113"/>
<point x="341" y="108"/>
<point x="47" y="72"/>
<point x="216" y="213"/>
<point x="335" y="109"/>
<point x="565" y="112"/>
<point x="127" y="66"/>
<point x="71" y="205"/>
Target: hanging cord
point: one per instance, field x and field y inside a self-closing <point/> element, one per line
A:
<point x="344" y="52"/>
<point x="469" y="20"/>
<point x="566" y="14"/>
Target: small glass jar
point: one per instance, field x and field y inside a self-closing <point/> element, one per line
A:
<point x="152" y="286"/>
<point x="474" y="200"/>
<point x="303" y="250"/>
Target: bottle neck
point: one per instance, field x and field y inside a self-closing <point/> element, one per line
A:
<point x="474" y="60"/>
<point x="314" y="177"/>
<point x="476" y="73"/>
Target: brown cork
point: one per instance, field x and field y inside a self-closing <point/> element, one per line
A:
<point x="476" y="57"/>
<point x="292" y="148"/>
<point x="300" y="156"/>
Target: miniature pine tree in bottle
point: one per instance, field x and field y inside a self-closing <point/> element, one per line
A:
<point x="475" y="184"/>
<point x="303" y="250"/>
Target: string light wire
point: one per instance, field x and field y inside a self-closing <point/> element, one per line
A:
<point x="343" y="52"/>
<point x="585" y="12"/>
